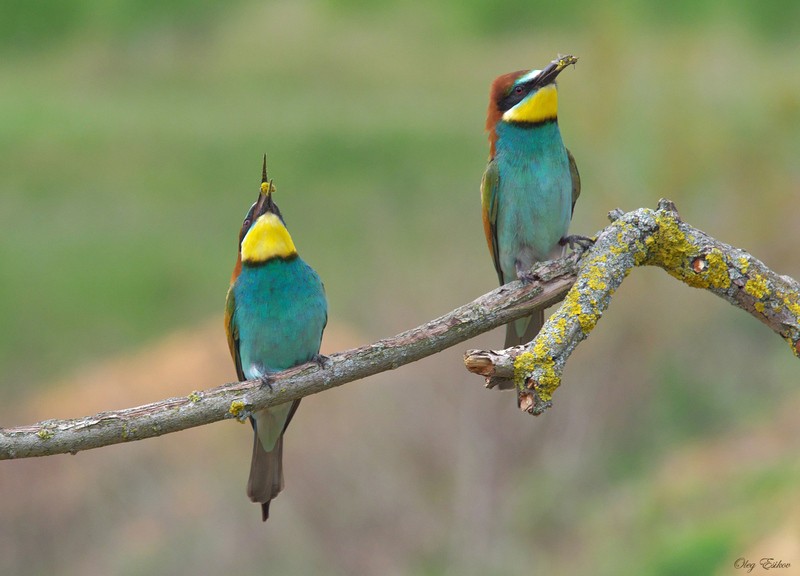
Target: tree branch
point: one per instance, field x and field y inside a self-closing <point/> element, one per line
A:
<point x="240" y="399"/>
<point x="643" y="237"/>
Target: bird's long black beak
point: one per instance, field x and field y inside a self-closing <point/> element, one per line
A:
<point x="264" y="202"/>
<point x="548" y="75"/>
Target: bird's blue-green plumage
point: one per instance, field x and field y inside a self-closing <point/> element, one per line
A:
<point x="531" y="183"/>
<point x="280" y="314"/>
<point x="275" y="314"/>
<point x="534" y="195"/>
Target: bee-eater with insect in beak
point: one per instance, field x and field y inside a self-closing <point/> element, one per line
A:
<point x="275" y="313"/>
<point x="531" y="184"/>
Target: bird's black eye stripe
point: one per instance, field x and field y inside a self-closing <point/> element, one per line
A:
<point x="515" y="95"/>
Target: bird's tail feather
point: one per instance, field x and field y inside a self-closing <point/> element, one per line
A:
<point x="266" y="474"/>
<point x="524" y="330"/>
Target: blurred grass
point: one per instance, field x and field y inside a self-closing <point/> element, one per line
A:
<point x="130" y="149"/>
<point x="128" y="158"/>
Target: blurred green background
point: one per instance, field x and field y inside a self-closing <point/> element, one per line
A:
<point x="131" y="136"/>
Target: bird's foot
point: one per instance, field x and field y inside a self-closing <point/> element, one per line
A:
<point x="577" y="243"/>
<point x="266" y="380"/>
<point x="525" y="275"/>
<point x="321" y="360"/>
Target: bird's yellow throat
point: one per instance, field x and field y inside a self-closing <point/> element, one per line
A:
<point x="540" y="107"/>
<point x="267" y="238"/>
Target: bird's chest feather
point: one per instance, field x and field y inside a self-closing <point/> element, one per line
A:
<point x="280" y="314"/>
<point x="535" y="192"/>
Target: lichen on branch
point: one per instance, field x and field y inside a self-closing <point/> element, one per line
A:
<point x="585" y="284"/>
<point x="643" y="237"/>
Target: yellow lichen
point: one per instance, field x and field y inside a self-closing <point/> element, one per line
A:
<point x="757" y="286"/>
<point x="45" y="434"/>
<point x="561" y="328"/>
<point x="717" y="273"/>
<point x="621" y="246"/>
<point x="791" y="302"/>
<point x="759" y="306"/>
<point x="547" y="380"/>
<point x="744" y="264"/>
<point x="595" y="279"/>
<point x="670" y="248"/>
<point x="641" y="253"/>
<point x="523" y="366"/>
<point x="571" y="307"/>
<point x="675" y="252"/>
<point x="195" y="396"/>
<point x="586" y="318"/>
<point x="237" y="407"/>
<point x="540" y="366"/>
<point x="708" y="271"/>
<point x="617" y="249"/>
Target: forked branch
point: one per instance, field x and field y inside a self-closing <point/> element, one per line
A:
<point x="643" y="237"/>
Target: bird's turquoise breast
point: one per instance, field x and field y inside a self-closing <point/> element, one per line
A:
<point x="280" y="314"/>
<point x="534" y="194"/>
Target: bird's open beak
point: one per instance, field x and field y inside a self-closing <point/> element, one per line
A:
<point x="548" y="75"/>
<point x="264" y="201"/>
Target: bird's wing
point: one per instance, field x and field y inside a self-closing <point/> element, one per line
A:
<point x="296" y="403"/>
<point x="576" y="179"/>
<point x="489" y="185"/>
<point x="232" y="331"/>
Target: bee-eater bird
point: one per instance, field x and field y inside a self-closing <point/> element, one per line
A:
<point x="531" y="184"/>
<point x="275" y="313"/>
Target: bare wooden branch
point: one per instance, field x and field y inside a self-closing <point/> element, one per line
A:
<point x="240" y="399"/>
<point x="638" y="238"/>
<point x="643" y="237"/>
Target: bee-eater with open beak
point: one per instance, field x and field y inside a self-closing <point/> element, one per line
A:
<point x="531" y="184"/>
<point x="274" y="317"/>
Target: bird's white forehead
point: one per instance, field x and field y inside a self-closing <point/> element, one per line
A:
<point x="529" y="76"/>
